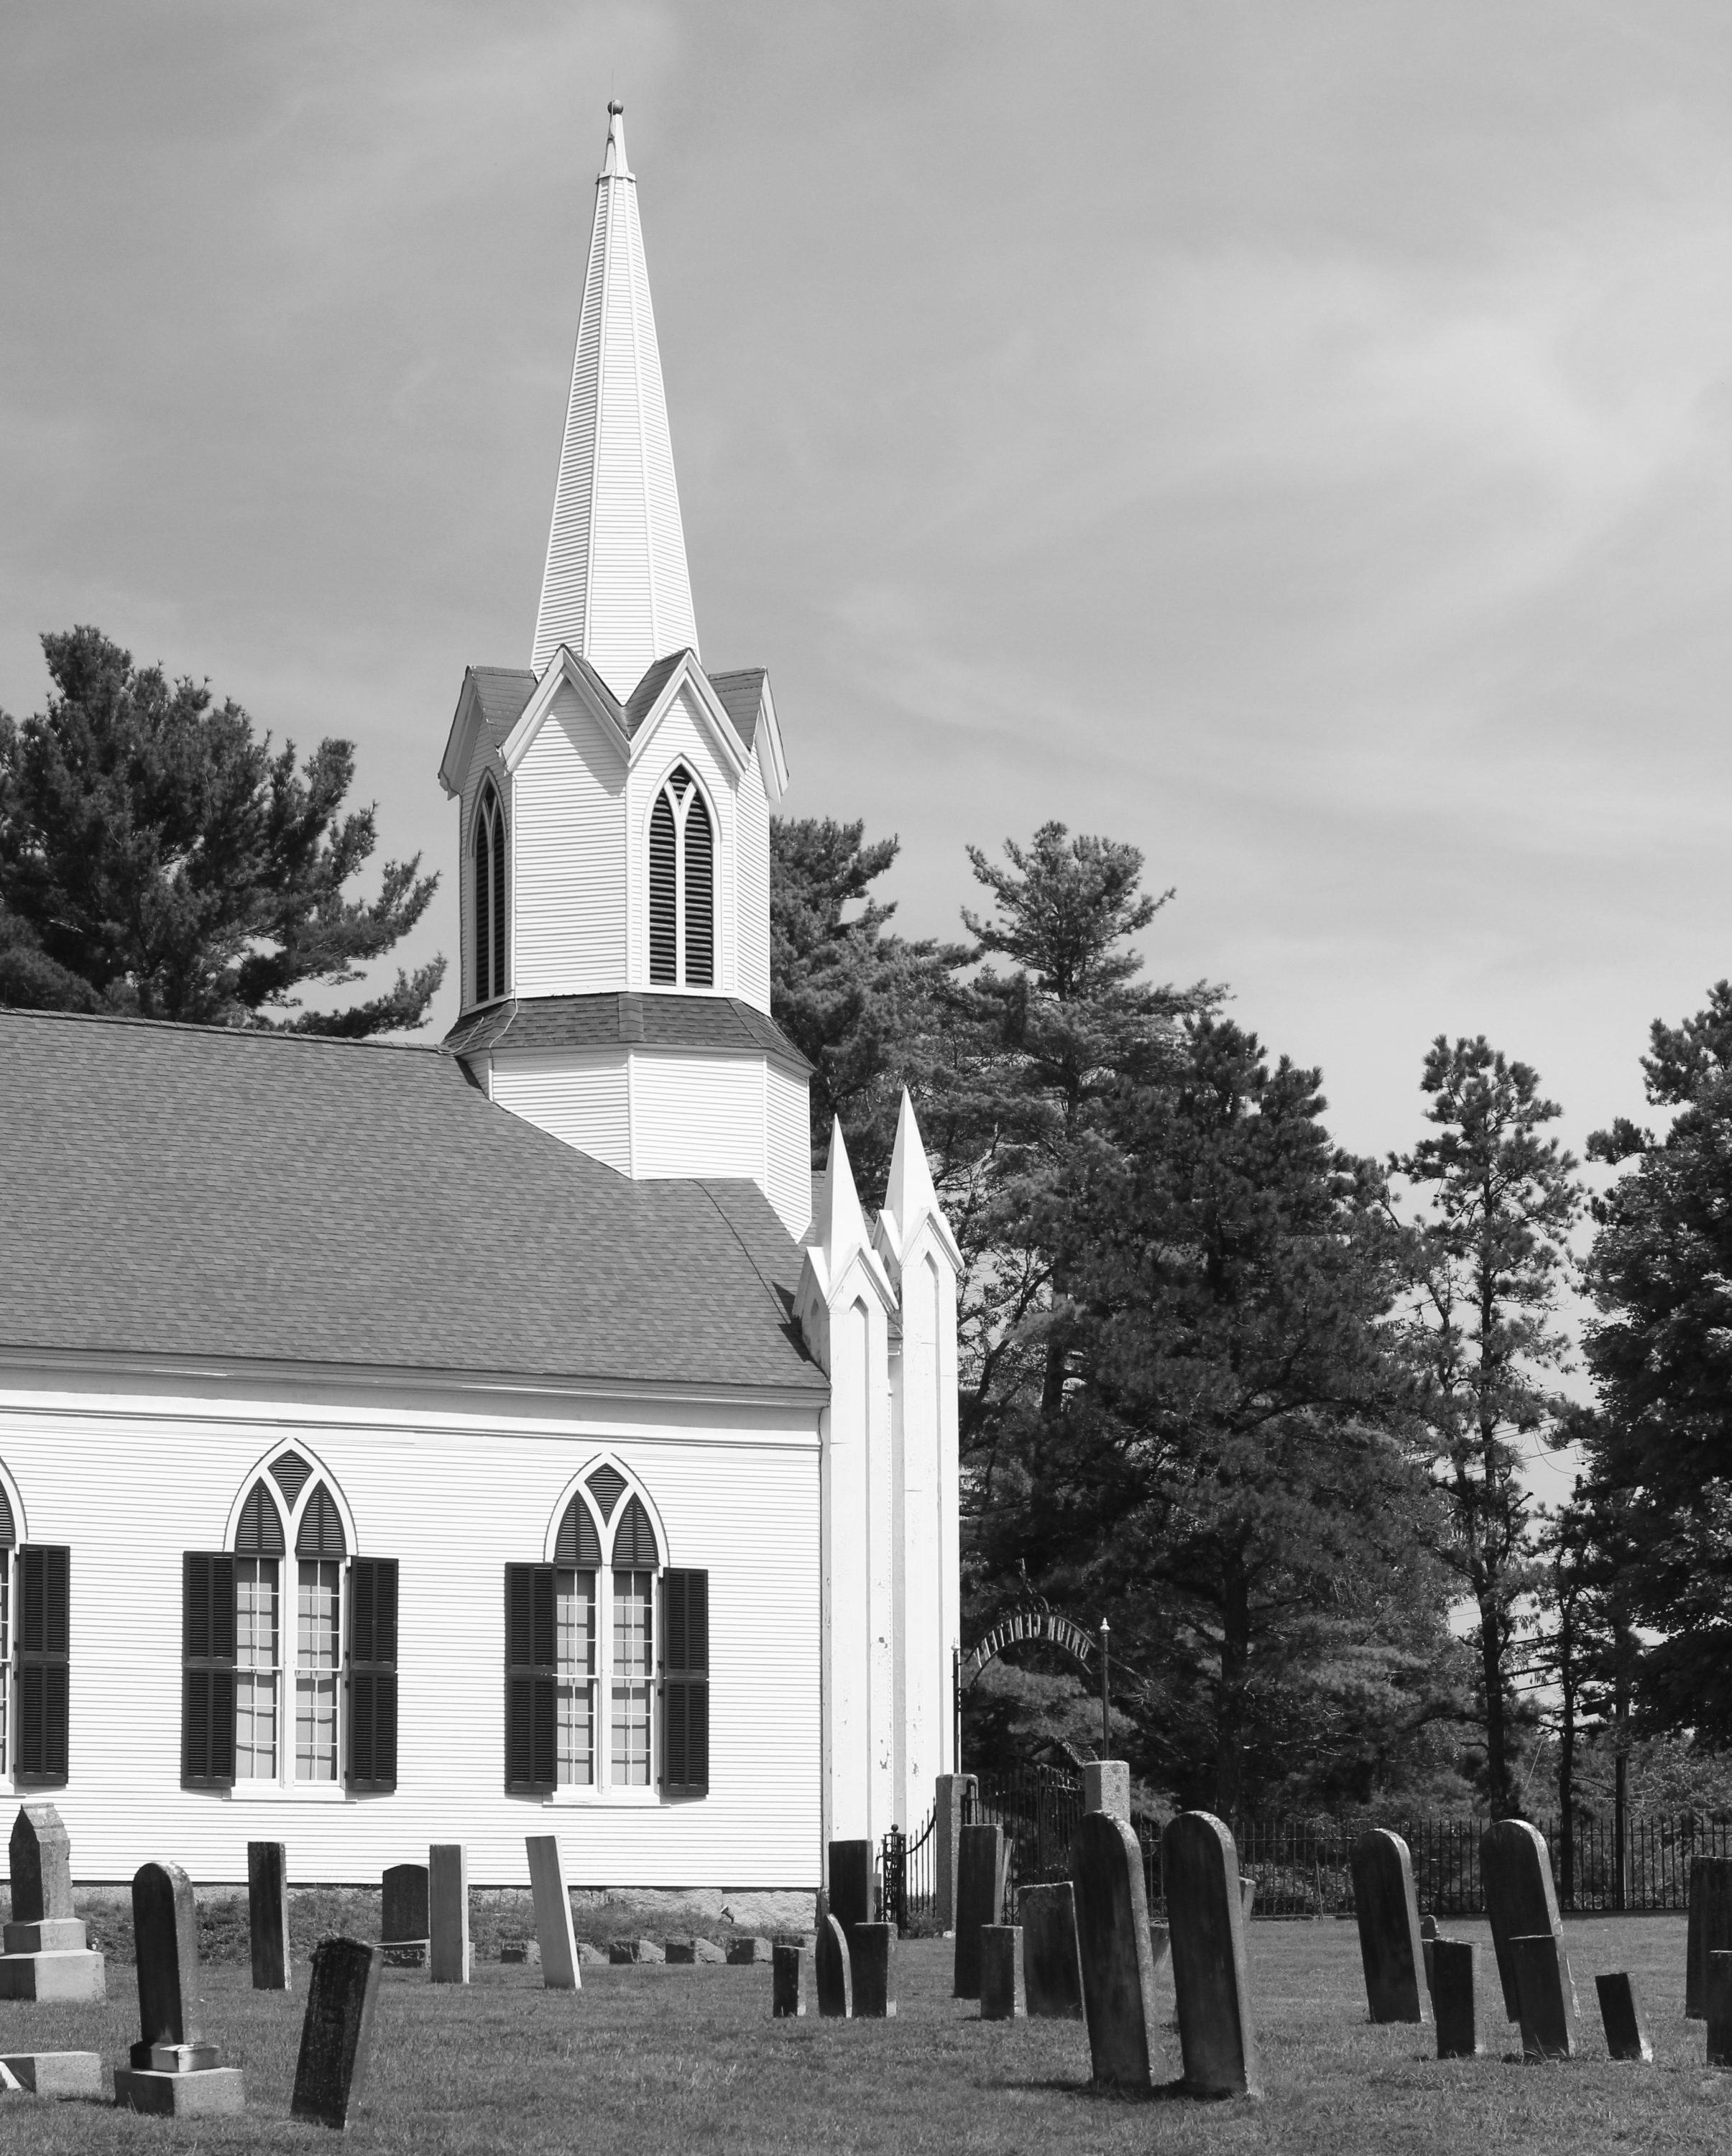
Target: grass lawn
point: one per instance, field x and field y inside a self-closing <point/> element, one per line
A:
<point x="660" y="2058"/>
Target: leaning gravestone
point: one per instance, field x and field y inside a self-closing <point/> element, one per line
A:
<point x="1051" y="1966"/>
<point x="1453" y="1965"/>
<point x="1112" y="1936"/>
<point x="1388" y="1912"/>
<point x="1002" y="1996"/>
<point x="403" y="1930"/>
<point x="267" y="1913"/>
<point x="853" y="1887"/>
<point x="174" y="2069"/>
<point x="1710" y="1926"/>
<point x="791" y="1981"/>
<point x="1200" y="1866"/>
<point x="48" y="1954"/>
<point x="872" y="1958"/>
<point x="448" y="1913"/>
<point x="834" y="1971"/>
<point x="553" y="1914"/>
<point x="1520" y="1902"/>
<point x="1620" y="2017"/>
<point x="337" y="2035"/>
<point x="979" y="1900"/>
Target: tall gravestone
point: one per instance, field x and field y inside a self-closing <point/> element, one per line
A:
<point x="1547" y="2027"/>
<point x="833" y="1969"/>
<point x="1112" y="1905"/>
<point x="952" y="1801"/>
<point x="853" y="1887"/>
<point x="337" y="2034"/>
<point x="1388" y="1913"/>
<point x="792" y="1981"/>
<point x="872" y="1958"/>
<point x="1520" y="1902"/>
<point x="1002" y="1995"/>
<point x="1051" y="1966"/>
<point x="1453" y="1965"/>
<point x="448" y="1913"/>
<point x="1620" y="2017"/>
<point x="174" y="2069"/>
<point x="553" y="1914"/>
<point x="1717" y="2006"/>
<point x="48" y="1952"/>
<point x="979" y="1900"/>
<point x="1709" y="1928"/>
<point x="404" y="1917"/>
<point x="1200" y="1867"/>
<point x="267" y="1913"/>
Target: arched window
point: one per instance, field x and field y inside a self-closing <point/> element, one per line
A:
<point x="490" y="895"/>
<point x="35" y="1655"/>
<point x="682" y="887"/>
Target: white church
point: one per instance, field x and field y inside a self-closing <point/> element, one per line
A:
<point x="414" y="1443"/>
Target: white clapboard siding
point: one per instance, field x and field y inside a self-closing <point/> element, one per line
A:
<point x="569" y="856"/>
<point x="697" y="1115"/>
<point x="788" y="1147"/>
<point x="755" y="889"/>
<point x="681" y="738"/>
<point x="130" y="1482"/>
<point x="923" y="1648"/>
<point x="581" y="1099"/>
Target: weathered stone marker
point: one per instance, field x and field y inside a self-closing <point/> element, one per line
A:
<point x="1620" y="2017"/>
<point x="1106" y="1787"/>
<point x="1454" y="1962"/>
<point x="553" y="1914"/>
<point x="1248" y="1895"/>
<point x="48" y="1954"/>
<point x="1710" y="1926"/>
<point x="1717" y="1999"/>
<point x="953" y="1798"/>
<point x="1112" y="1936"/>
<point x="174" y="2069"/>
<point x="979" y="1900"/>
<point x="1427" y="1939"/>
<point x="448" y="1913"/>
<point x="1002" y="1996"/>
<point x="267" y="1913"/>
<point x="1388" y="1912"/>
<point x="1547" y="2027"/>
<point x="1515" y="1869"/>
<point x="791" y="1981"/>
<point x="1200" y="1866"/>
<point x="871" y="1957"/>
<point x="745" y="1953"/>
<point x="337" y="2034"/>
<point x="835" y="1971"/>
<point x="403" y="1927"/>
<point x="1051" y="1966"/>
<point x="55" y="2073"/>
<point x="853" y="1887"/>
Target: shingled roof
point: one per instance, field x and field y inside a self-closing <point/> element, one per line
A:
<point x="186" y="1190"/>
<point x="612" y="1018"/>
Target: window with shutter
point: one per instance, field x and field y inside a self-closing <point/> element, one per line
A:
<point x="686" y="1683"/>
<point x="531" y="1680"/>
<point x="373" y="1675"/>
<point x="45" y="1664"/>
<point x="208" y="1670"/>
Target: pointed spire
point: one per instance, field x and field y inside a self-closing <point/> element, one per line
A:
<point x="616" y="588"/>
<point x="910" y="1196"/>
<point x="840" y="1226"/>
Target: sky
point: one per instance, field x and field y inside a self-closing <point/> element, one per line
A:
<point x="1294" y="441"/>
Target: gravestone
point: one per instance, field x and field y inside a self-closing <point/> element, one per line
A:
<point x="952" y="1803"/>
<point x="1515" y="1869"/>
<point x="72" y="2074"/>
<point x="174" y="2069"/>
<point x="1051" y="1966"/>
<point x="871" y="1957"/>
<point x="1160" y="1940"/>
<point x="622" y="1952"/>
<point x="743" y="1953"/>
<point x="1454" y="1962"/>
<point x="1200" y="1866"/>
<point x="834" y="1971"/>
<point x="1106" y="1787"/>
<point x="1710" y="1926"/>
<point x="791" y="1981"/>
<point x="692" y="1951"/>
<point x="1248" y="1895"/>
<point x="267" y="1913"/>
<point x="448" y="1913"/>
<point x="1547" y="2027"/>
<point x="1388" y="1912"/>
<point x="552" y="1914"/>
<point x="525" y="1953"/>
<point x="853" y="1886"/>
<point x="1002" y="1997"/>
<point x="403" y="1927"/>
<point x="48" y="1952"/>
<point x="337" y="2034"/>
<point x="1112" y="1907"/>
<point x="1717" y="2003"/>
<point x="1427" y="1939"/>
<point x="1620" y="2017"/>
<point x="979" y="1900"/>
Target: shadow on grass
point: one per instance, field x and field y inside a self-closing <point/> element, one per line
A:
<point x="1175" y="2091"/>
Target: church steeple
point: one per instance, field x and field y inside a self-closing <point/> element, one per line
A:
<point x="616" y="588"/>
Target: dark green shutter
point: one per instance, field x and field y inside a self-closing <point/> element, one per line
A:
<point x="45" y="1664"/>
<point x="531" y="1675"/>
<point x="685" y="1684"/>
<point x="207" y="1669"/>
<point x="373" y="1675"/>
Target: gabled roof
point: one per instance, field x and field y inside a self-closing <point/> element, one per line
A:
<point x="742" y="694"/>
<point x="181" y="1191"/>
<point x="503" y="691"/>
<point x="625" y="1018"/>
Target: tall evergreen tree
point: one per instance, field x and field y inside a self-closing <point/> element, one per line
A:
<point x="157" y="857"/>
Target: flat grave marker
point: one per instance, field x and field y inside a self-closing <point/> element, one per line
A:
<point x="1052" y="1965"/>
<point x="1388" y="1913"/>
<point x="1112" y="1907"/>
<point x="1206" y="1912"/>
<point x="336" y="2033"/>
<point x="69" y="2074"/>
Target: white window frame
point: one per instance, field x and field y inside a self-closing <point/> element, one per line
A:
<point x="589" y="1680"/>
<point x="282" y="1787"/>
<point x="605" y="1790"/>
<point x="680" y="804"/>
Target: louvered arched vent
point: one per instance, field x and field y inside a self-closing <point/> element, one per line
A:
<point x="8" y="1532"/>
<point x="321" y="1533"/>
<point x="605" y="1484"/>
<point x="291" y="1474"/>
<point x="634" y="1540"/>
<point x="489" y="895"/>
<point x="664" y="935"/>
<point x="577" y="1543"/>
<point x="260" y="1531"/>
<point x="682" y="885"/>
<point x="700" y="896"/>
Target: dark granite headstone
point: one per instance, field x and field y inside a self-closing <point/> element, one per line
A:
<point x="853" y="1886"/>
<point x="834" y="1971"/>
<point x="41" y="1853"/>
<point x="267" y="1913"/>
<point x="337" y="2035"/>
<point x="1541" y="1987"/>
<point x="1515" y="1869"/>
<point x="1710" y="1926"/>
<point x="979" y="1900"/>
<point x="1620" y="2017"/>
<point x="165" y="1936"/>
<point x="1051" y="1966"/>
<point x="1717" y="1999"/>
<point x="1200" y="1866"/>
<point x="1388" y="1912"/>
<point x="791" y="1979"/>
<point x="404" y="1915"/>
<point x="1453" y="1965"/>
<point x="1002" y="1996"/>
<point x="1112" y="1907"/>
<point x="1428" y="1936"/>
<point x="1160" y="1940"/>
<point x="871" y="1956"/>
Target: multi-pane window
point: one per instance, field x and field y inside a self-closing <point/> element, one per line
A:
<point x="490" y="918"/>
<point x="682" y="887"/>
<point x="317" y="1654"/>
<point x="575" y="1626"/>
<point x="634" y="1602"/>
<point x="257" y="1659"/>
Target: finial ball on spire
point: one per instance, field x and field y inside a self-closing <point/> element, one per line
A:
<point x="615" y="109"/>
